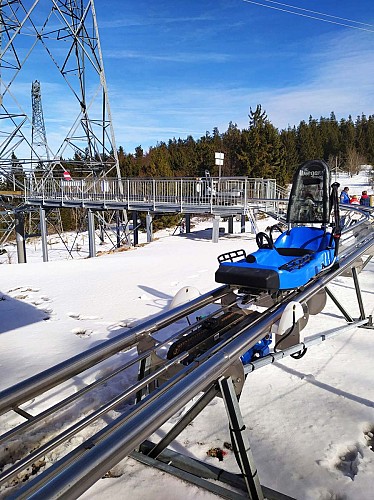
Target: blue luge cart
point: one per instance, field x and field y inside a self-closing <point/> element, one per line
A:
<point x="302" y="251"/>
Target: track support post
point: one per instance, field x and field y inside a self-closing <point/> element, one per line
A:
<point x="188" y="223"/>
<point x="20" y="237"/>
<point x="358" y="293"/>
<point x="135" y="228"/>
<point x="91" y="234"/>
<point x="240" y="440"/>
<point x="149" y="228"/>
<point x="242" y="223"/>
<point x="43" y="233"/>
<point x="231" y="224"/>
<point x="215" y="230"/>
<point x="345" y="313"/>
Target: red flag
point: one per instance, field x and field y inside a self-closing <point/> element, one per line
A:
<point x="67" y="176"/>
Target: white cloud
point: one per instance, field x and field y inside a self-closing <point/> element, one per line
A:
<point x="178" y="57"/>
<point x="337" y="76"/>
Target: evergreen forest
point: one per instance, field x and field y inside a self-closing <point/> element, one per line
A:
<point x="261" y="150"/>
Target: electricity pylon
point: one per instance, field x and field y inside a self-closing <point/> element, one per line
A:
<point x="39" y="144"/>
<point x="68" y="38"/>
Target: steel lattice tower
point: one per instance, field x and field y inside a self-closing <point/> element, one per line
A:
<point x="39" y="136"/>
<point x="69" y="39"/>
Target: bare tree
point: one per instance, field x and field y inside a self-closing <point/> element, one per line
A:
<point x="335" y="162"/>
<point x="371" y="178"/>
<point x="353" y="161"/>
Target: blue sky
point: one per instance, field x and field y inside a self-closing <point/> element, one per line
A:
<point x="176" y="68"/>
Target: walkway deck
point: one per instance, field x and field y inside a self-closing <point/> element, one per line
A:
<point x="218" y="196"/>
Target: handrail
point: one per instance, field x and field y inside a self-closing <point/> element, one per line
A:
<point x="225" y="190"/>
<point x="27" y="389"/>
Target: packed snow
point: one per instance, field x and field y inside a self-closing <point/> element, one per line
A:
<point x="310" y="421"/>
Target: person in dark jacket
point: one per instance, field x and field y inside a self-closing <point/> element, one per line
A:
<point x="344" y="196"/>
<point x="365" y="199"/>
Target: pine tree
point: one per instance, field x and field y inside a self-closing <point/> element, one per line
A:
<point x="266" y="155"/>
<point x="369" y="150"/>
<point x="205" y="155"/>
<point x="305" y="142"/>
<point x="348" y="135"/>
<point x="316" y="145"/>
<point x="231" y="141"/>
<point x="291" y="158"/>
<point x="361" y="134"/>
<point x="139" y="162"/>
<point x="159" y="162"/>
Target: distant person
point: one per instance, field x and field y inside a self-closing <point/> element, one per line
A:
<point x="354" y="200"/>
<point x="344" y="196"/>
<point x="365" y="199"/>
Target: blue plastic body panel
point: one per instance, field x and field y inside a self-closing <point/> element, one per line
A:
<point x="298" y="255"/>
<point x="259" y="350"/>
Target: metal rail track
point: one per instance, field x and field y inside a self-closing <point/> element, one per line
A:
<point x="174" y="384"/>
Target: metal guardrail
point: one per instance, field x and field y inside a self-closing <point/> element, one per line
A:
<point x="156" y="193"/>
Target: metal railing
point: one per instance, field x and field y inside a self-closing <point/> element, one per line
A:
<point x="157" y="193"/>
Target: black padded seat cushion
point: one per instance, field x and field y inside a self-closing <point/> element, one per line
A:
<point x="294" y="252"/>
<point x="263" y="279"/>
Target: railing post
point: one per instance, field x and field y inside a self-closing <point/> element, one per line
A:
<point x="154" y="194"/>
<point x="211" y="197"/>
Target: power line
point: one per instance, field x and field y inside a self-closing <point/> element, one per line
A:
<point x="314" y="17"/>
<point x="319" y="13"/>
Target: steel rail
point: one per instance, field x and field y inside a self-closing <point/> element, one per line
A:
<point x="365" y="216"/>
<point x="20" y="465"/>
<point x="72" y="456"/>
<point x="309" y="342"/>
<point x="154" y="410"/>
<point x="13" y="396"/>
<point x="28" y="459"/>
<point x="53" y="410"/>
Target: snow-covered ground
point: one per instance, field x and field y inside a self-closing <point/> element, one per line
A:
<point x="310" y="422"/>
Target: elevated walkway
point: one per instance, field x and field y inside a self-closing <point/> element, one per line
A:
<point x="217" y="196"/>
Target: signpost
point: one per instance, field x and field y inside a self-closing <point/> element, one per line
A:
<point x="219" y="162"/>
